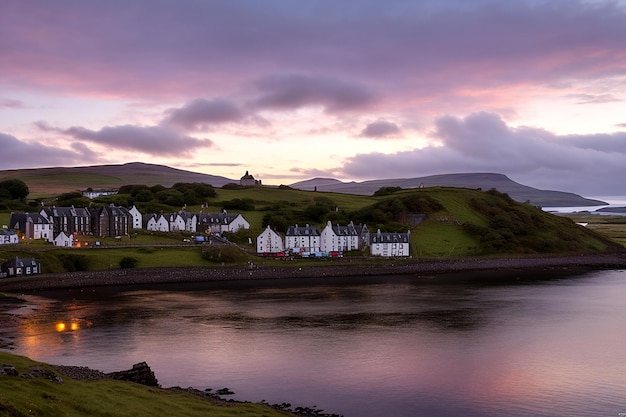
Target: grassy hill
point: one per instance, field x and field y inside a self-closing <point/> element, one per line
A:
<point x="46" y="182"/>
<point x="51" y="181"/>
<point x="459" y="222"/>
<point x="485" y="181"/>
<point x="21" y="396"/>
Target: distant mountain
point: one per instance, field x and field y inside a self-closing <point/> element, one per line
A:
<point x="48" y="181"/>
<point x="485" y="181"/>
<point x="62" y="179"/>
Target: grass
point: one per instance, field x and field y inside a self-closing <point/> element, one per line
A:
<point x="613" y="227"/>
<point x="4" y="219"/>
<point x="443" y="234"/>
<point x="40" y="397"/>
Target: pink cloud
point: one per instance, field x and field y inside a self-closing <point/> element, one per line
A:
<point x="11" y="104"/>
<point x="483" y="142"/>
<point x="381" y="129"/>
<point x="155" y="49"/>
<point x="25" y="154"/>
<point x="150" y="140"/>
<point x="293" y="91"/>
<point x="202" y="112"/>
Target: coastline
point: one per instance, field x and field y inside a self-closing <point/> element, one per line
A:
<point x="428" y="268"/>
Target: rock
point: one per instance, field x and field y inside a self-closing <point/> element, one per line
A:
<point x="37" y="372"/>
<point x="140" y="374"/>
<point x="9" y="370"/>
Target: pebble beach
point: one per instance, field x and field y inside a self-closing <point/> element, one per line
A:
<point x="427" y="268"/>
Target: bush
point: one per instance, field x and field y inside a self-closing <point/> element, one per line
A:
<point x="128" y="262"/>
<point x="223" y="253"/>
<point x="244" y="204"/>
<point x="383" y="191"/>
<point x="74" y="262"/>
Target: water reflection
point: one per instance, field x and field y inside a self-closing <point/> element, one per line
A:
<point x="396" y="346"/>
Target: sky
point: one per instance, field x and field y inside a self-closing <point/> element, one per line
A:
<point x="292" y="90"/>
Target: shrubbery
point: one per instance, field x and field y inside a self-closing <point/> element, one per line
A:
<point x="74" y="262"/>
<point x="223" y="253"/>
<point x="128" y="262"/>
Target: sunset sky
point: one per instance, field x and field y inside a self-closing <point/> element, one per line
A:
<point x="292" y="90"/>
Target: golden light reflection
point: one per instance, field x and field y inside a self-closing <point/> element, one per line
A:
<point x="61" y="327"/>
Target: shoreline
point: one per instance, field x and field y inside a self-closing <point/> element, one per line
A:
<point x="189" y="275"/>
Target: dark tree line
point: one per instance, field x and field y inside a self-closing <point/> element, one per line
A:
<point x="13" y="189"/>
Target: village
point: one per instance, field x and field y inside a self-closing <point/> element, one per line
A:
<point x="68" y="227"/>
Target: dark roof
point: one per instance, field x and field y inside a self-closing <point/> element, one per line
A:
<point x="21" y="262"/>
<point x="302" y="231"/>
<point x="216" y="218"/>
<point x="379" y="237"/>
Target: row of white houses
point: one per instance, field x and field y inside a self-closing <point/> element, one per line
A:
<point x="60" y="225"/>
<point x="207" y="223"/>
<point x="305" y="240"/>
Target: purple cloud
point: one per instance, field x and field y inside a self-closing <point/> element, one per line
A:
<point x="413" y="48"/>
<point x="594" y="99"/>
<point x="200" y="113"/>
<point x="290" y="92"/>
<point x="29" y="154"/>
<point x="381" y="129"/>
<point x="151" y="140"/>
<point x="482" y="142"/>
<point x="11" y="104"/>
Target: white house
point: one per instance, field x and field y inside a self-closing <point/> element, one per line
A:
<point x="191" y="221"/>
<point x="221" y="222"/>
<point x="390" y="244"/>
<point x="98" y="193"/>
<point x="342" y="238"/>
<point x="176" y="222"/>
<point x="20" y="266"/>
<point x="157" y="223"/>
<point x="269" y="242"/>
<point x="137" y="218"/>
<point x="32" y="225"/>
<point x="8" y="237"/>
<point x="303" y="239"/>
<point x="64" y="239"/>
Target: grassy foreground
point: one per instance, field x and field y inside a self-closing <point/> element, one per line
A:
<point x="21" y="396"/>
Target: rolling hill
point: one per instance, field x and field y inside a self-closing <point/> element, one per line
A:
<point x="60" y="179"/>
<point x="484" y="181"/>
<point x="51" y="181"/>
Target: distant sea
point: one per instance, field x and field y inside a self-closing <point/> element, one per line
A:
<point x="613" y="201"/>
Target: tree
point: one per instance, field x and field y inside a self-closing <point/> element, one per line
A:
<point x="75" y="199"/>
<point x="17" y="189"/>
<point x="383" y="191"/>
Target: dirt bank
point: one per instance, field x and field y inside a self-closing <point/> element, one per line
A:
<point x="116" y="277"/>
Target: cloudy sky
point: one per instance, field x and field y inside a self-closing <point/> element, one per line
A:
<point x="292" y="90"/>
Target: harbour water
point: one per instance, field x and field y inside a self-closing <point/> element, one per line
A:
<point x="480" y="345"/>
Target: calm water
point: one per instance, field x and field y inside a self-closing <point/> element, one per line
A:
<point x="393" y="346"/>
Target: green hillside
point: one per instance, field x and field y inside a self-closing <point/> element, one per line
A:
<point x="459" y="222"/>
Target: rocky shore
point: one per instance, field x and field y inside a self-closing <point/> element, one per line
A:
<point x="317" y="269"/>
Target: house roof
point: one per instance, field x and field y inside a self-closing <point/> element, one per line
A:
<point x="19" y="220"/>
<point x="379" y="237"/>
<point x="21" y="262"/>
<point x="247" y="176"/>
<point x="217" y="218"/>
<point x="302" y="231"/>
